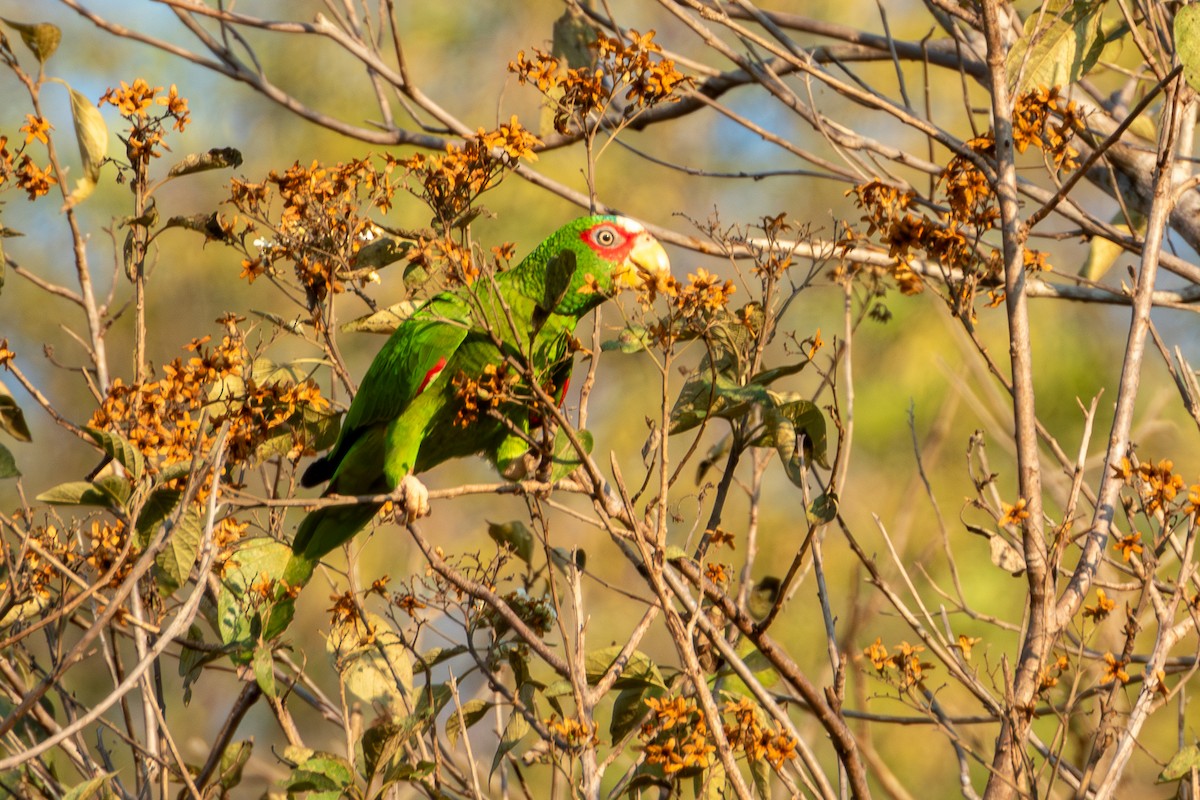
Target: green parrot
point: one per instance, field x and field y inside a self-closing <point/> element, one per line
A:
<point x="434" y="390"/>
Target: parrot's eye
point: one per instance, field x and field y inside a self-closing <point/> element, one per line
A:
<point x="606" y="237"/>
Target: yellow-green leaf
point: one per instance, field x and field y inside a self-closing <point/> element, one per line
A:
<point x="1187" y="42"/>
<point x="41" y="38"/>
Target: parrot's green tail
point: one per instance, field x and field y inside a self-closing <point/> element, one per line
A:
<point x="321" y="532"/>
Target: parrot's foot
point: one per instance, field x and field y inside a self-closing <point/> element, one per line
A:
<point x="416" y="500"/>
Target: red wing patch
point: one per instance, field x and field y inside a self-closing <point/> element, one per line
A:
<point x="433" y="373"/>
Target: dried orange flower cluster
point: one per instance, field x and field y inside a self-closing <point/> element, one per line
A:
<point x="320" y="225"/>
<point x="676" y="735"/>
<point x="576" y="733"/>
<point x="45" y="548"/>
<point x="1157" y="484"/>
<point x="748" y="732"/>
<point x="478" y="396"/>
<point x="1046" y="120"/>
<point x="902" y="668"/>
<point x="20" y="168"/>
<point x="136" y="103"/>
<point x="578" y="93"/>
<point x="952" y="238"/>
<point x="450" y="183"/>
<point x="162" y="418"/>
<point x="1049" y="675"/>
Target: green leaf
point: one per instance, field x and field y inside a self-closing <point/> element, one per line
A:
<point x="120" y="450"/>
<point x="703" y="397"/>
<point x="1102" y="253"/>
<point x="639" y="670"/>
<point x="629" y="707"/>
<point x="263" y="665"/>
<point x="380" y="253"/>
<point x="763" y="596"/>
<point x="472" y="712"/>
<point x="233" y="760"/>
<point x="573" y="37"/>
<point x="633" y="338"/>
<point x="1183" y="762"/>
<point x="516" y="729"/>
<point x="174" y="562"/>
<point x="110" y="491"/>
<point x="8" y="464"/>
<point x="93" y="787"/>
<point x="1061" y="43"/>
<point x="789" y="422"/>
<point x="12" y="419"/>
<point x="373" y="661"/>
<point x="824" y="508"/>
<point x="380" y="742"/>
<point x="207" y="224"/>
<point x="566" y="459"/>
<point x="318" y="772"/>
<point x="158" y="506"/>
<point x="192" y="661"/>
<point x="1187" y="43"/>
<point x="41" y="38"/>
<point x="91" y="134"/>
<point x="243" y="615"/>
<point x="516" y="535"/>
<point x="217" y="158"/>
<point x="385" y="320"/>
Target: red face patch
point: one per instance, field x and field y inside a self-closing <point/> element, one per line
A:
<point x="609" y="241"/>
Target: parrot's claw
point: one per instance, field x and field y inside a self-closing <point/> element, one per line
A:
<point x="416" y="500"/>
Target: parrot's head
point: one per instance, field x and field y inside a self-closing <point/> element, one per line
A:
<point x="589" y="260"/>
<point x="619" y="254"/>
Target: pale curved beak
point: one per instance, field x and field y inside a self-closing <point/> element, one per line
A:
<point x="647" y="262"/>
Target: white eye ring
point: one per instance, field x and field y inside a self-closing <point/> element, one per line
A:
<point x="606" y="237"/>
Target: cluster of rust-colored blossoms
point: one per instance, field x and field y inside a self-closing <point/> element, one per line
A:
<point x="163" y="418"/>
<point x="676" y="736"/>
<point x="579" y="93"/>
<point x="319" y="224"/>
<point x="137" y="104"/>
<point x="953" y="239"/>
<point x="318" y="218"/>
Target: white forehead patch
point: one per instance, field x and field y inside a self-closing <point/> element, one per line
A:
<point x="631" y="225"/>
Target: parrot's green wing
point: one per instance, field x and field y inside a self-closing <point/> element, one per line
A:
<point x="409" y="364"/>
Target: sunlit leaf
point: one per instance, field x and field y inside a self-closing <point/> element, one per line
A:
<point x="93" y="787"/>
<point x="121" y="451"/>
<point x="12" y="418"/>
<point x="1181" y="764"/>
<point x="472" y="712"/>
<point x="263" y="664"/>
<point x="8" y="464"/>
<point x="41" y="38"/>
<point x="380" y="253"/>
<point x="233" y="760"/>
<point x="385" y="320"/>
<point x="372" y="660"/>
<point x="1187" y="42"/>
<point x="109" y="492"/>
<point x="217" y="158"/>
<point x="515" y="534"/>
<point x="639" y="670"/>
<point x="1061" y="43"/>
<point x="174" y="562"/>
<point x="1102" y="253"/>
<point x="763" y="596"/>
